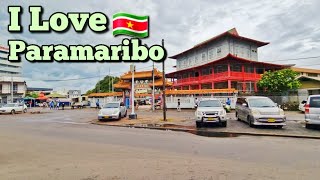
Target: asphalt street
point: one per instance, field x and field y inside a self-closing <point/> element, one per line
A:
<point x="64" y="145"/>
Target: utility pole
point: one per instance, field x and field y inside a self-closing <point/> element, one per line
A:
<point x="112" y="84"/>
<point x="132" y="115"/>
<point x="98" y="89"/>
<point x="163" y="89"/>
<point x="11" y="89"/>
<point x="109" y="80"/>
<point x="153" y="86"/>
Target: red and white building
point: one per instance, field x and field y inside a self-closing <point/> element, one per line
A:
<point x="226" y="61"/>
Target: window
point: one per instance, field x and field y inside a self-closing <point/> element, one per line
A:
<point x="220" y="68"/>
<point x="0" y="88"/>
<point x="210" y="54"/>
<point x="313" y="74"/>
<point x="236" y="67"/>
<point x="249" y="68"/>
<point x="204" y="56"/>
<point x="15" y="88"/>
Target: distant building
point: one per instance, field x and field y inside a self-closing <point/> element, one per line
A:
<point x="310" y="82"/>
<point x="226" y="61"/>
<point x="11" y="80"/>
<point x="74" y="93"/>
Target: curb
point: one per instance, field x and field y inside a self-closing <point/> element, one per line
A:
<point x="216" y="132"/>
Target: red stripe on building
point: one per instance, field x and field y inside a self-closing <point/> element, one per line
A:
<point x="137" y="26"/>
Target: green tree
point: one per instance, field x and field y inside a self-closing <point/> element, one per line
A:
<point x="104" y="85"/>
<point x="32" y="94"/>
<point x="279" y="81"/>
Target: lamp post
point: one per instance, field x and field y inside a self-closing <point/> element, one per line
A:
<point x="132" y="115"/>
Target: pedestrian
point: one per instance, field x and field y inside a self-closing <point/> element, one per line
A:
<point x="58" y="104"/>
<point x="51" y="104"/>
<point x="196" y="102"/>
<point x="97" y="104"/>
<point x="178" y="107"/>
<point x="62" y="106"/>
<point x="228" y="102"/>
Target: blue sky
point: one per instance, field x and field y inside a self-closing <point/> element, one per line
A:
<point x="291" y="27"/>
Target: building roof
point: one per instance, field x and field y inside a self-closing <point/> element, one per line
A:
<point x="308" y="77"/>
<point x="122" y="85"/>
<point x="56" y="95"/>
<point x="231" y="33"/>
<point x="141" y="74"/>
<point x="305" y="70"/>
<point x="39" y="89"/>
<point x="200" y="91"/>
<point x="229" y="57"/>
<point x="105" y="94"/>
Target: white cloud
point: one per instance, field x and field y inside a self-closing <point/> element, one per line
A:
<point x="291" y="27"/>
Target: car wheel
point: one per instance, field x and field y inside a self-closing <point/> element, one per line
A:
<point x="237" y="116"/>
<point x="119" y="117"/>
<point x="13" y="111"/>
<point x="250" y="121"/>
<point x="224" y="124"/>
<point x="308" y="126"/>
<point x="25" y="110"/>
<point x="198" y="124"/>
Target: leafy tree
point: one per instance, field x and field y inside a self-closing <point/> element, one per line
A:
<point x="279" y="81"/>
<point x="104" y="85"/>
<point x="32" y="94"/>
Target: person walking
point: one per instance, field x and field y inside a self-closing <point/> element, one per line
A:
<point x="178" y="107"/>
<point x="51" y="104"/>
<point x="62" y="106"/>
<point x="97" y="104"/>
<point x="196" y="102"/>
<point x="58" y="104"/>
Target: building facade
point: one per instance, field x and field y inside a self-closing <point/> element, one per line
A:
<point x="74" y="93"/>
<point x="226" y="61"/>
<point x="12" y="85"/>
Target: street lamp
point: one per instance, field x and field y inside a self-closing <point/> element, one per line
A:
<point x="132" y="115"/>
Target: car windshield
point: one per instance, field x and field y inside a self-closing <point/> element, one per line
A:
<point x="9" y="105"/>
<point x="315" y="102"/>
<point x="261" y="102"/>
<point x="111" y="105"/>
<point x="210" y="103"/>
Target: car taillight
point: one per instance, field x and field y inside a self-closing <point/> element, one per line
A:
<point x="307" y="108"/>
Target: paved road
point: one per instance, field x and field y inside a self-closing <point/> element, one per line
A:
<point x="61" y="145"/>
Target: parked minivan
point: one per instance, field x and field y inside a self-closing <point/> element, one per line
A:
<point x="259" y="110"/>
<point x="312" y="111"/>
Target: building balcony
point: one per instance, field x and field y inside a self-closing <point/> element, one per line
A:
<point x="216" y="77"/>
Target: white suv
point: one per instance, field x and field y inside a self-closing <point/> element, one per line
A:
<point x="210" y="111"/>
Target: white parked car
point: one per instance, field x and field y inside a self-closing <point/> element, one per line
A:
<point x="13" y="108"/>
<point x="112" y="110"/>
<point x="301" y="105"/>
<point x="211" y="111"/>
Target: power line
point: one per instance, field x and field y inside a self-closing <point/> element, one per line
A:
<point x="90" y="77"/>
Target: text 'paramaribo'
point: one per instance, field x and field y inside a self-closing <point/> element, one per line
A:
<point x="123" y="24"/>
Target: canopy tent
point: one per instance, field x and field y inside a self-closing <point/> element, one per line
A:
<point x="42" y="97"/>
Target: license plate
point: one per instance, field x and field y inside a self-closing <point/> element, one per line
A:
<point x="211" y="119"/>
<point x="271" y="120"/>
<point x="107" y="117"/>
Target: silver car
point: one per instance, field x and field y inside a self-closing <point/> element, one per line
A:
<point x="112" y="110"/>
<point x="312" y="111"/>
<point x="258" y="110"/>
<point x="210" y="111"/>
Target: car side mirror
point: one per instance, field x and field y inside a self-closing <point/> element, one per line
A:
<point x="245" y="104"/>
